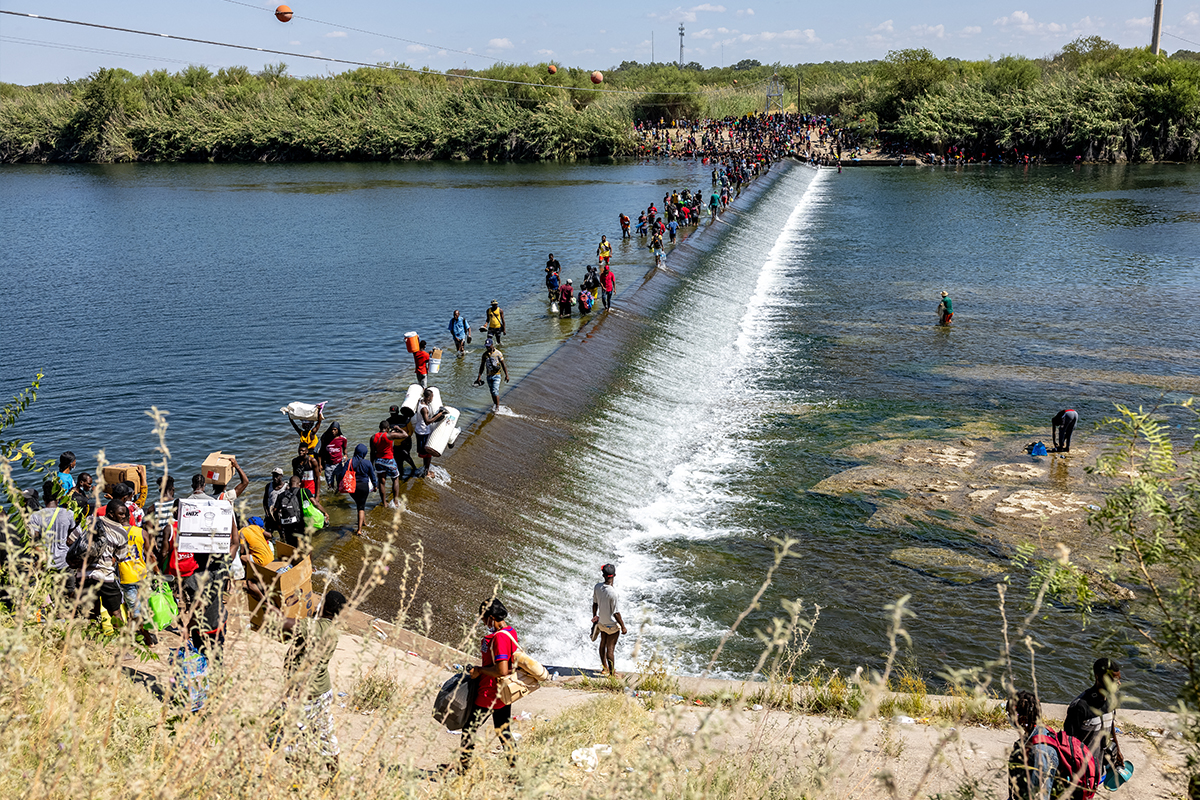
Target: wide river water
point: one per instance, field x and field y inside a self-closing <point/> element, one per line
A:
<point x="221" y="292"/>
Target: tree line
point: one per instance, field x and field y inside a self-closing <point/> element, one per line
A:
<point x="1092" y="100"/>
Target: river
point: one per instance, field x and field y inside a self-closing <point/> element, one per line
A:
<point x="222" y="292"/>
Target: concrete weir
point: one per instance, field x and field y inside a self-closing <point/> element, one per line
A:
<point x="471" y="534"/>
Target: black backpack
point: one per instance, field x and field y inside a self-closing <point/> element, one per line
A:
<point x="88" y="548"/>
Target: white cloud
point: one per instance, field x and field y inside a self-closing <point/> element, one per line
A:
<point x="1142" y="22"/>
<point x="1191" y="19"/>
<point x="707" y="33"/>
<point x="417" y="48"/>
<point x="807" y="36"/>
<point x="294" y="44"/>
<point x="500" y="44"/>
<point x="971" y="30"/>
<point x="745" y="12"/>
<point x="709" y="7"/>
<point x="883" y="27"/>
<point x="1020" y="20"/>
<point x="936" y="31"/>
<point x="379" y="52"/>
<point x="316" y="53"/>
<point x="336" y="35"/>
<point x="545" y="52"/>
<point x="676" y="14"/>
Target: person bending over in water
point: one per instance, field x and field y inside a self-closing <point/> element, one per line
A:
<point x="1061" y="428"/>
<point x="493" y="362"/>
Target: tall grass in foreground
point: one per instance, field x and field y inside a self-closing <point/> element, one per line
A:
<point x="81" y="715"/>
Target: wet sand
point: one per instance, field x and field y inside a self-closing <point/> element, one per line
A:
<point x="471" y="535"/>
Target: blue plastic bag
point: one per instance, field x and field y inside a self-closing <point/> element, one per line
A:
<point x="189" y="676"/>
<point x="1038" y="449"/>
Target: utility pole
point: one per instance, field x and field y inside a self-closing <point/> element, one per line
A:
<point x="681" y="44"/>
<point x="1157" y="26"/>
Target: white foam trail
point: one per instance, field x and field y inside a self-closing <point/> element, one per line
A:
<point x="699" y="449"/>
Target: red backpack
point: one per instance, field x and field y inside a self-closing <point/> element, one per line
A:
<point x="1077" y="764"/>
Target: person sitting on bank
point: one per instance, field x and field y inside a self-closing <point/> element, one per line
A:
<point x="1092" y="716"/>
<point x="1032" y="768"/>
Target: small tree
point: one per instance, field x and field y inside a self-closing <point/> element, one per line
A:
<point x="1152" y="519"/>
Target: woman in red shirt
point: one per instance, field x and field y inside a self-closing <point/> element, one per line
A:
<point x="498" y="650"/>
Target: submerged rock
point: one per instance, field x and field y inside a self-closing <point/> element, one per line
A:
<point x="946" y="565"/>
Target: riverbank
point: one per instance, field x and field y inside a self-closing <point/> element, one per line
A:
<point x="701" y="738"/>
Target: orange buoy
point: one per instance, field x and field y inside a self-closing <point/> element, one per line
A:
<point x="597" y="76"/>
<point x="283" y="14"/>
<point x="552" y="69"/>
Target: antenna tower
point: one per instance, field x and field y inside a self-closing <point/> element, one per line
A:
<point x="681" y="44"/>
<point x="775" y="94"/>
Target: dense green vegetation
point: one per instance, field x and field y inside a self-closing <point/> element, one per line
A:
<point x="1092" y="100"/>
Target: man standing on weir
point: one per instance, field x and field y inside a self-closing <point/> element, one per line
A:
<point x="606" y="615"/>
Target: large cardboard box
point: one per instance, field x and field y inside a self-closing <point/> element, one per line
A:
<point x="218" y="468"/>
<point x="289" y="586"/>
<point x="205" y="525"/>
<point x="134" y="473"/>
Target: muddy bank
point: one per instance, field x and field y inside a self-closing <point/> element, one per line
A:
<point x="977" y="496"/>
<point x="471" y="534"/>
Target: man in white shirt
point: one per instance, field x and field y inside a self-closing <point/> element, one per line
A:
<point x="606" y="615"/>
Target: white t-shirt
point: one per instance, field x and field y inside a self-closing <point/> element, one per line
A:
<point x="420" y="427"/>
<point x="605" y="598"/>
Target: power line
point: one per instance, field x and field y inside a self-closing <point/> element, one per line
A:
<point x="370" y="33"/>
<point x="331" y="60"/>
<point x="85" y="49"/>
<point x="1180" y="38"/>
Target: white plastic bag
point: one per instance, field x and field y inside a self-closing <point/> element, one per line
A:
<point x="305" y="411"/>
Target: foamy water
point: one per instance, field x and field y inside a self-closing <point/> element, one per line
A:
<point x="668" y="446"/>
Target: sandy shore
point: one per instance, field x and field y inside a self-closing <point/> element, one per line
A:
<point x="833" y="757"/>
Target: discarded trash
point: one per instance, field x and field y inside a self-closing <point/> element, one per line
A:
<point x="411" y="653"/>
<point x="756" y="707"/>
<point x="341" y="694"/>
<point x="554" y="676"/>
<point x="674" y="698"/>
<point x="524" y="715"/>
<point x="903" y="720"/>
<point x="1093" y="507"/>
<point x="589" y="757"/>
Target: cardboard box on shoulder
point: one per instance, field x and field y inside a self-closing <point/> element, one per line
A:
<point x="218" y="468"/>
<point x="134" y="473"/>
<point x="288" y="582"/>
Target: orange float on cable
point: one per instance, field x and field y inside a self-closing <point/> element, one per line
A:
<point x="283" y="14"/>
<point x="597" y="77"/>
<point x="552" y="69"/>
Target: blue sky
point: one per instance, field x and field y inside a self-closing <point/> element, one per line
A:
<point x="600" y="35"/>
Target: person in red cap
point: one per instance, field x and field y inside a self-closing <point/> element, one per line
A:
<point x="606" y="615"/>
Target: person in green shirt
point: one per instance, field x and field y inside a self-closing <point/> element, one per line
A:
<point x="945" y="310"/>
<point x="307" y="668"/>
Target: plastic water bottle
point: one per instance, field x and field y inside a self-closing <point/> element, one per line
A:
<point x="554" y="675"/>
